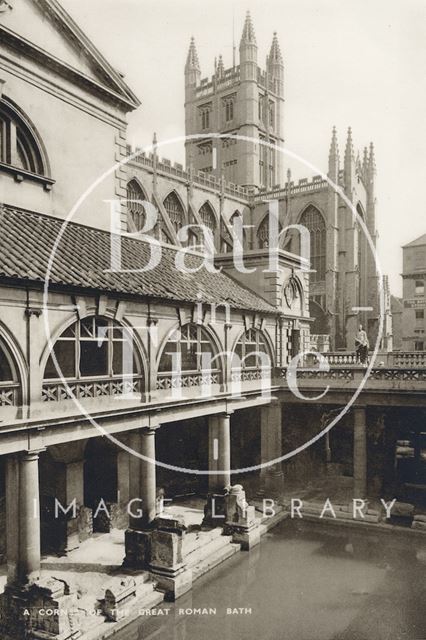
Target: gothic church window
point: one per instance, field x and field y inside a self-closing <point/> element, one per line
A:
<point x="314" y="222"/>
<point x="229" y="109"/>
<point x="174" y="210"/>
<point x="18" y="143"/>
<point x="207" y="217"/>
<point x="135" y="208"/>
<point x="205" y="117"/>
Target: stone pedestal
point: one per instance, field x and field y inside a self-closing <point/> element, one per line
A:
<point x="138" y="549"/>
<point x="241" y="519"/>
<point x="167" y="563"/>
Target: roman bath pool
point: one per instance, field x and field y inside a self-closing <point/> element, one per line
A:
<point x="304" y="581"/>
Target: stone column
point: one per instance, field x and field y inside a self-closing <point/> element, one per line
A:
<point x="23" y="519"/>
<point x="271" y="448"/>
<point x="148" y="477"/>
<point x="29" y="519"/>
<point x="220" y="452"/>
<point x="142" y="504"/>
<point x="360" y="453"/>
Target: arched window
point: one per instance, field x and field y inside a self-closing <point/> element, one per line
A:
<point x="18" y="143"/>
<point x="9" y="381"/>
<point x="189" y="349"/>
<point x="99" y="356"/>
<point x="314" y="222"/>
<point x="249" y="348"/>
<point x="207" y="217"/>
<point x="135" y="209"/>
<point x="175" y="211"/>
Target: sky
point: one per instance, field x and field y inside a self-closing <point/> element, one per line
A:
<point x="357" y="63"/>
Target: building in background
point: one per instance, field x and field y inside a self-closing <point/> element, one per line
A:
<point x="413" y="294"/>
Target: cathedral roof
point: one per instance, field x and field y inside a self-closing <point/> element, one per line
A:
<point x="82" y="260"/>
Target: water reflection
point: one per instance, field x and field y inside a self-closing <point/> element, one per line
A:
<point x="304" y="582"/>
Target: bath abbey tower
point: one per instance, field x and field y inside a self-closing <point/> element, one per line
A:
<point x="244" y="100"/>
<point x="248" y="101"/>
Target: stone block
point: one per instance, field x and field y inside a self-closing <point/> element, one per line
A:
<point x="117" y="597"/>
<point x="166" y="551"/>
<point x="214" y="511"/>
<point x="138" y="549"/>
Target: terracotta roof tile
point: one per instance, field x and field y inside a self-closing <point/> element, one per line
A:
<point x="82" y="260"/>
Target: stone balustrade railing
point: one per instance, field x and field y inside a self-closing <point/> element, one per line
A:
<point x="96" y="388"/>
<point x="387" y="360"/>
<point x="8" y="394"/>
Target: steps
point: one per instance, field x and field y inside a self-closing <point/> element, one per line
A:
<point x="208" y="549"/>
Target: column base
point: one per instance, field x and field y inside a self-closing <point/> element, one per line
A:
<point x="247" y="538"/>
<point x="274" y="484"/>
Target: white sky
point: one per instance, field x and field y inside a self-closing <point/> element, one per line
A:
<point x="347" y="62"/>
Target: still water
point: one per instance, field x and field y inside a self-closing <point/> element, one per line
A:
<point x="303" y="582"/>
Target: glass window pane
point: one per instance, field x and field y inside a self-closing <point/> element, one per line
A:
<point x="189" y="357"/>
<point x="5" y="370"/>
<point x="65" y="355"/>
<point x="93" y="358"/>
<point x="166" y="362"/>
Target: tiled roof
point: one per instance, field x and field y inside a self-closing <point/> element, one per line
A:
<point x="84" y="254"/>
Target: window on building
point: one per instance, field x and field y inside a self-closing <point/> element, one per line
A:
<point x="188" y="349"/>
<point x="420" y="314"/>
<point x="271" y="115"/>
<point x="95" y="347"/>
<point x="207" y="217"/>
<point x="19" y="146"/>
<point x="175" y="210"/>
<point x="419" y="345"/>
<point x="229" y="109"/>
<point x="9" y="381"/>
<point x="252" y="351"/>
<point x="205" y="117"/>
<point x="135" y="209"/>
<point x="419" y="288"/>
<point x="314" y="222"/>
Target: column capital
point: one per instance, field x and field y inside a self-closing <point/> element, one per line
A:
<point x="34" y="454"/>
<point x="148" y="431"/>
